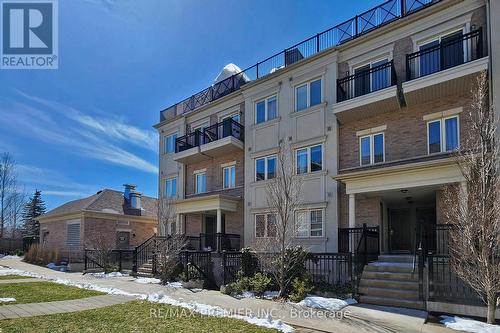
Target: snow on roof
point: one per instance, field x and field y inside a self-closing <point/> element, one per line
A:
<point x="228" y="71"/>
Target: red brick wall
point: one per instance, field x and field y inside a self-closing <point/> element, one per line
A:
<point x="367" y="210"/>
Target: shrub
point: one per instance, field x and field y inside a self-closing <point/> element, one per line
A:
<point x="170" y="271"/>
<point x="249" y="262"/>
<point x="232" y="288"/>
<point x="39" y="255"/>
<point x="300" y="289"/>
<point x="260" y="283"/>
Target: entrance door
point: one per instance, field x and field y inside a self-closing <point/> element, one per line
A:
<point x="123" y="240"/>
<point x="400" y="230"/>
<point x="210" y="230"/>
<point x="426" y="219"/>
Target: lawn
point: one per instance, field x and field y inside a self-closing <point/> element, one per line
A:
<point x="136" y="316"/>
<point x="13" y="277"/>
<point x="35" y="292"/>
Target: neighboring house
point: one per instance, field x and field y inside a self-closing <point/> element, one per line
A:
<point x="120" y="220"/>
<point x="372" y="110"/>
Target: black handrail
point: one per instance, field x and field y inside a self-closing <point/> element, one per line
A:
<point x="374" y="18"/>
<point x="453" y="52"/>
<point x="366" y="81"/>
<point x="220" y="130"/>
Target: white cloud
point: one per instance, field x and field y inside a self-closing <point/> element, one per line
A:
<point x="79" y="133"/>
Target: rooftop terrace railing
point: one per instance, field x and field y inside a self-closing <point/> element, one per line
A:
<point x="359" y="25"/>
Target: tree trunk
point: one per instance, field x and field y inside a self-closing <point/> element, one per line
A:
<point x="492" y="302"/>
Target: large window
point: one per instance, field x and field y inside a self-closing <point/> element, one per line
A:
<point x="229" y="176"/>
<point x="171" y="187"/>
<point x="170" y="143"/>
<point x="366" y="82"/>
<point x="265" y="168"/>
<point x="309" y="159"/>
<point x="265" y="225"/>
<point x="200" y="185"/>
<point x="308" y="94"/>
<point x="441" y="52"/>
<point x="371" y="148"/>
<point x="443" y="135"/>
<point x="309" y="223"/>
<point x="266" y="109"/>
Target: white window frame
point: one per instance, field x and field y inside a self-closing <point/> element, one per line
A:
<point x="308" y="221"/>
<point x="372" y="148"/>
<point x="227" y="186"/>
<point x="266" y="163"/>
<point x="166" y="187"/>
<point x="442" y="127"/>
<point x="309" y="158"/>
<point x="308" y="84"/>
<point x="165" y="143"/>
<point x="266" y="109"/>
<point x="196" y="175"/>
<point x="266" y="224"/>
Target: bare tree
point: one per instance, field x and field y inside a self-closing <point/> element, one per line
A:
<point x="475" y="206"/>
<point x="166" y="214"/>
<point x="283" y="195"/>
<point x="15" y="205"/>
<point x="7" y="186"/>
<point x="102" y="252"/>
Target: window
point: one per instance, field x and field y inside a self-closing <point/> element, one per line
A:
<point x="371" y="149"/>
<point x="266" y="109"/>
<point x="73" y="234"/>
<point x="170" y="143"/>
<point x="265" y="168"/>
<point x="229" y="177"/>
<point x="309" y="159"/>
<point x="366" y="82"/>
<point x="307" y="95"/>
<point x="309" y="223"/>
<point x="265" y="225"/>
<point x="443" y="135"/>
<point x="200" y="183"/>
<point x="171" y="187"/>
<point x="437" y="57"/>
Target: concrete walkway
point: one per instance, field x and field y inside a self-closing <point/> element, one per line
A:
<point x="352" y="319"/>
<point x="47" y="308"/>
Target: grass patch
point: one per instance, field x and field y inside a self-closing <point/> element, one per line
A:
<point x="134" y="316"/>
<point x="13" y="277"/>
<point x="35" y="292"/>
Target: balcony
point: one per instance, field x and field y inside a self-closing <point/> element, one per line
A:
<point x="367" y="92"/>
<point x="219" y="139"/>
<point x="217" y="242"/>
<point x="445" y="68"/>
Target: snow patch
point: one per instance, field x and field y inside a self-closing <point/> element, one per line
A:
<point x="147" y="280"/>
<point x="468" y="325"/>
<point x="330" y="304"/>
<point x="103" y="275"/>
<point x="7" y="299"/>
<point x="228" y="71"/>
<point x="267" y="295"/>
<point x="9" y="257"/>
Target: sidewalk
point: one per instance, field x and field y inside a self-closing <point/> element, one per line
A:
<point x="357" y="318"/>
<point x="47" y="308"/>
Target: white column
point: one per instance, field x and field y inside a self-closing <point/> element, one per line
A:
<point x="352" y="210"/>
<point x="219" y="221"/>
<point x="178" y="222"/>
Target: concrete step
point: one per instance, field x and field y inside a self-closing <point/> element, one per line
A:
<point x="403" y="303"/>
<point x="396" y="258"/>
<point x="394" y="267"/>
<point x="386" y="283"/>
<point x="400" y="276"/>
<point x="390" y="293"/>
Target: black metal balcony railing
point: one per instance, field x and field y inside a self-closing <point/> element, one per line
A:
<point x="359" y="25"/>
<point x="220" y="242"/>
<point x="450" y="52"/>
<point x="366" y="81"/>
<point x="223" y="129"/>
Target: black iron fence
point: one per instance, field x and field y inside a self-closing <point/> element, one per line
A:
<point x="220" y="242"/>
<point x="366" y="81"/>
<point x="349" y="239"/>
<point x="227" y="127"/>
<point x="359" y="25"/>
<point x="331" y="268"/>
<point x="197" y="265"/>
<point x="447" y="53"/>
<point x="113" y="260"/>
<point x="148" y="251"/>
<point x="445" y="285"/>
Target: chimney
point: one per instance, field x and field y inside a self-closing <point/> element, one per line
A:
<point x="129" y="188"/>
<point x="135" y="200"/>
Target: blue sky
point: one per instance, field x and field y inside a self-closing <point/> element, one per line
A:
<point x="88" y="125"/>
